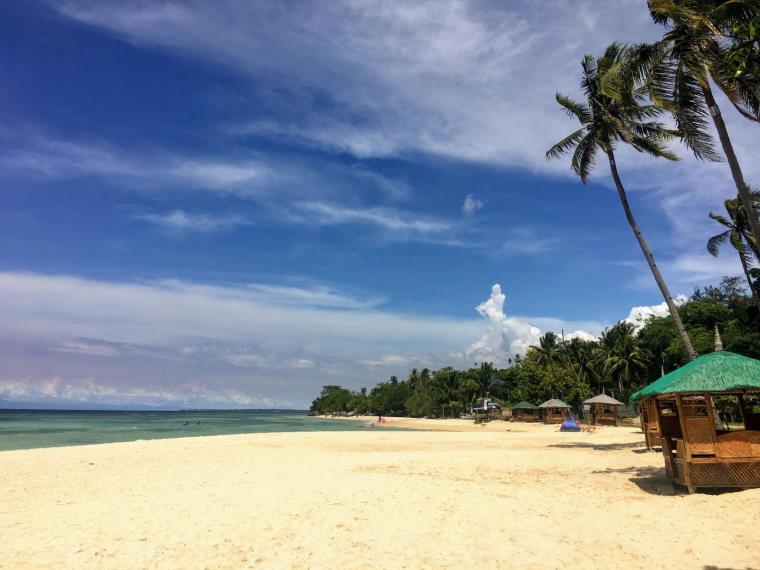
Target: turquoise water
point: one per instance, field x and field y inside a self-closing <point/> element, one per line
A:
<point x="25" y="429"/>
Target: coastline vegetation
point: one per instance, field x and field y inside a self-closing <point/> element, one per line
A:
<point x="706" y="45"/>
<point x="621" y="361"/>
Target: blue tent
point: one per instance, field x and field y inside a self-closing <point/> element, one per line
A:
<point x="570" y="425"/>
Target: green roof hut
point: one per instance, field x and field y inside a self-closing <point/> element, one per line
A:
<point x="708" y="413"/>
<point x="554" y="411"/>
<point x="526" y="412"/>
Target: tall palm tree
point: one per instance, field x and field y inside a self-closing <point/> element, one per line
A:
<point x="677" y="71"/>
<point x="738" y="234"/>
<point x="606" y="121"/>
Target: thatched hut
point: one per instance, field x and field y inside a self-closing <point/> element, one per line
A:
<point x="526" y="412"/>
<point x="650" y="423"/>
<point x="554" y="411"/>
<point x="709" y="417"/>
<point x="603" y="410"/>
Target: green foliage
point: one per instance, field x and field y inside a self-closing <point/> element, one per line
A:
<point x="622" y="361"/>
<point x="332" y="399"/>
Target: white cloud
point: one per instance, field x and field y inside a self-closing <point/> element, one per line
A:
<point x="387" y="360"/>
<point x="471" y="204"/>
<point x="182" y="222"/>
<point x="393" y="223"/>
<point x="436" y="77"/>
<point x="639" y="316"/>
<point x="583" y="335"/>
<point x="91" y="391"/>
<point x="59" y="159"/>
<point x="505" y="336"/>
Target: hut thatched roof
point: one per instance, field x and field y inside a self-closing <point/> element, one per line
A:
<point x="714" y="372"/>
<point x="524" y="406"/>
<point x="554" y="403"/>
<point x="604" y="399"/>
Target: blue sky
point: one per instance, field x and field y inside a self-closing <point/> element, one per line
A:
<point x="233" y="203"/>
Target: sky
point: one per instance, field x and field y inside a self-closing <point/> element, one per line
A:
<point x="232" y="203"/>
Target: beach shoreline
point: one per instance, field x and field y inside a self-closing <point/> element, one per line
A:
<point x="376" y="498"/>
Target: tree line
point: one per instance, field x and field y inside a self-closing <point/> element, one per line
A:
<point x="621" y="361"/>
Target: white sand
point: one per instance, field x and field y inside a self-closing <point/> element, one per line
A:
<point x="528" y="497"/>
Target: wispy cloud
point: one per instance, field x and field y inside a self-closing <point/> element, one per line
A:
<point x="179" y="221"/>
<point x="60" y="159"/>
<point x="395" y="224"/>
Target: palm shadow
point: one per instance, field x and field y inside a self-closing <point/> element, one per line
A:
<point x="635" y="446"/>
<point x="651" y="480"/>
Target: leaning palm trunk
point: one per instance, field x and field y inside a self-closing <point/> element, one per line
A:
<point x="745" y="195"/>
<point x="752" y="288"/>
<point x="650" y="260"/>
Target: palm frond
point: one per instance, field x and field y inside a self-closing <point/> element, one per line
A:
<point x="583" y="157"/>
<point x="573" y="108"/>
<point x="715" y="242"/>
<point x="566" y="144"/>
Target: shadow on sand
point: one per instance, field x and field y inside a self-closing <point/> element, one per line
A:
<point x="635" y="447"/>
<point x="649" y="479"/>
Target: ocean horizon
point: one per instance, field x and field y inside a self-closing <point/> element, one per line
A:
<point x="34" y="428"/>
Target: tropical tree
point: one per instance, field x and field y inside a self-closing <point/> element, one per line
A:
<point x="738" y="234"/>
<point x="484" y="376"/>
<point x="606" y="121"/>
<point x="548" y="349"/>
<point x="619" y="355"/>
<point x="676" y="72"/>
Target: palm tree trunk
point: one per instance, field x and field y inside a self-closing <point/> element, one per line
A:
<point x="728" y="149"/>
<point x="650" y="260"/>
<point x="749" y="279"/>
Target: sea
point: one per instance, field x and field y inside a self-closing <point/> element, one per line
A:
<point x="26" y="429"/>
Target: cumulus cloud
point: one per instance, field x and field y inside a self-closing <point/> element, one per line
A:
<point x="639" y="316"/>
<point x="471" y="204"/>
<point x="505" y="336"/>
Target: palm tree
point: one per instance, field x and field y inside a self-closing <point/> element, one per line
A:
<point x="619" y="355"/>
<point x="677" y="72"/>
<point x="738" y="234"/>
<point x="739" y="23"/>
<point x="606" y="121"/>
<point x="548" y="349"/>
<point x="414" y="379"/>
<point x="484" y="376"/>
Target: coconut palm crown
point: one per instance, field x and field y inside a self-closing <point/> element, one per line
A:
<point x="606" y="121"/>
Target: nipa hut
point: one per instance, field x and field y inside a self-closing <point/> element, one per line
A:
<point x="709" y="417"/>
<point x="650" y="423"/>
<point x="554" y="411"/>
<point x="526" y="412"/>
<point x="603" y="410"/>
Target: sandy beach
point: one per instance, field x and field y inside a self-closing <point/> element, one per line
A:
<point x="504" y="495"/>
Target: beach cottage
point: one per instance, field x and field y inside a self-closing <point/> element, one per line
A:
<point x="603" y="410"/>
<point x="526" y="412"/>
<point x="650" y="423"/>
<point x="554" y="411"/>
<point x="709" y="418"/>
